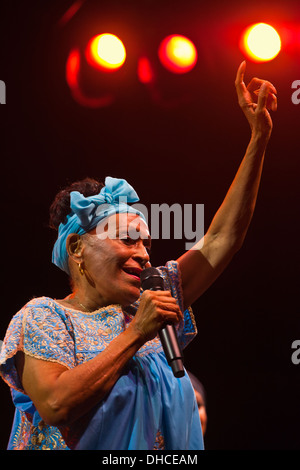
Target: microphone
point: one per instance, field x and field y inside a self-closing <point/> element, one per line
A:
<point x="152" y="280"/>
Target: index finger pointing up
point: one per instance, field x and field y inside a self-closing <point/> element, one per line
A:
<point x="240" y="74"/>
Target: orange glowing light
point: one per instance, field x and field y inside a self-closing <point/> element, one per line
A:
<point x="106" y="51"/>
<point x="177" y="53"/>
<point x="260" y="42"/>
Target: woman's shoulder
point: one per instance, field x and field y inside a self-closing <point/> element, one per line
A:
<point x="39" y="318"/>
<point x="40" y="302"/>
<point x="39" y="309"/>
<point x="44" y="302"/>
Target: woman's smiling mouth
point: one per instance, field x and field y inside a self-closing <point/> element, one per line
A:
<point x="132" y="271"/>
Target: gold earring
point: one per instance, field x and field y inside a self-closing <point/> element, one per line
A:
<point x="81" y="269"/>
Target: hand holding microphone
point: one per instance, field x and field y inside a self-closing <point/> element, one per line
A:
<point x="166" y="309"/>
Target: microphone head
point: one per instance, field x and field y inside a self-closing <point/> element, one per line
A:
<point x="151" y="279"/>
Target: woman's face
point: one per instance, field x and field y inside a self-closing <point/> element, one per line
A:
<point x="114" y="255"/>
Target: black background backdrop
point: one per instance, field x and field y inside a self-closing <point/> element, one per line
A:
<point x="187" y="152"/>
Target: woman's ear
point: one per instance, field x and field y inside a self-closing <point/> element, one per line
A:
<point x="74" y="247"/>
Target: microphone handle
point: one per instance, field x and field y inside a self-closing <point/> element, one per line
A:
<point x="169" y="341"/>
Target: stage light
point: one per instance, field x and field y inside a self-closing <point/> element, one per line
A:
<point x="177" y="53"/>
<point x="260" y="42"/>
<point x="106" y="51"/>
<point x="73" y="66"/>
<point x="144" y="71"/>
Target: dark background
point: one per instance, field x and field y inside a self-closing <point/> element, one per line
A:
<point x="184" y="148"/>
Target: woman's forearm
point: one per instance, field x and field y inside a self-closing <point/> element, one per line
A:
<point x="201" y="265"/>
<point x="232" y="220"/>
<point x="63" y="395"/>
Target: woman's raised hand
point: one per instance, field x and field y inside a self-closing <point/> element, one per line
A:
<point x="256" y="100"/>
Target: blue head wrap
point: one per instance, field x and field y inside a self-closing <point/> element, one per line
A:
<point x="87" y="212"/>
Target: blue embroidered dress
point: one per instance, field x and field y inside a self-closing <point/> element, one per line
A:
<point x="147" y="408"/>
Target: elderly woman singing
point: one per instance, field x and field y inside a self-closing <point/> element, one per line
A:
<point x="89" y="371"/>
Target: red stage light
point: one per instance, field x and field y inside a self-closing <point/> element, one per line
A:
<point x="144" y="71"/>
<point x="106" y="51"/>
<point x="177" y="53"/>
<point x="260" y="42"/>
<point x="73" y="66"/>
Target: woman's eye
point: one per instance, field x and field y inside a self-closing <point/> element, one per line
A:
<point x="131" y="241"/>
<point x="128" y="241"/>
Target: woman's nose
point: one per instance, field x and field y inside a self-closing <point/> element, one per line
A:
<point x="141" y="254"/>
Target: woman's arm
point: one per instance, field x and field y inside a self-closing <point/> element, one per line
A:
<point x="63" y="395"/>
<point x="201" y="265"/>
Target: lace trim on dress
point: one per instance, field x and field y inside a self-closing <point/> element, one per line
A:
<point x="41" y="437"/>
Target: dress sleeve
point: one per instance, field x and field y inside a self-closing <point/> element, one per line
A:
<point x="186" y="330"/>
<point x="39" y="331"/>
